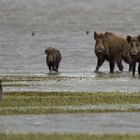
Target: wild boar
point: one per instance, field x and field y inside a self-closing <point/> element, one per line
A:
<point x="112" y="48"/>
<point x="1" y="90"/>
<point x="134" y="51"/>
<point x="53" y="59"/>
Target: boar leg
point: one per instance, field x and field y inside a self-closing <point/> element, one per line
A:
<point x="130" y="64"/>
<point x="120" y="66"/>
<point x="100" y="61"/>
<point x="139" y="68"/>
<point x="57" y="66"/>
<point x="112" y="65"/>
<point x="133" y="68"/>
<point x="128" y="60"/>
<point x="56" y="69"/>
<point x="130" y="67"/>
<point x="50" y="70"/>
<point x="53" y="68"/>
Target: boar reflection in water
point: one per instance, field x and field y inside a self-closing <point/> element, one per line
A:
<point x="53" y="59"/>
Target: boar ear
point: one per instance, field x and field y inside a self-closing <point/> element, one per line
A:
<point x="107" y="34"/>
<point x="138" y="38"/>
<point x="95" y="35"/>
<point x="46" y="51"/>
<point x="128" y="38"/>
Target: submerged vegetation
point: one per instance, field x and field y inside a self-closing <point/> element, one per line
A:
<point x="59" y="102"/>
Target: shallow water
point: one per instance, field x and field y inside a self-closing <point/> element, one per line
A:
<point x="71" y="82"/>
<point x="63" y="24"/>
<point x="97" y="123"/>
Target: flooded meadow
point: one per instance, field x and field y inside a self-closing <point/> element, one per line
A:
<point x="64" y="25"/>
<point x="28" y="27"/>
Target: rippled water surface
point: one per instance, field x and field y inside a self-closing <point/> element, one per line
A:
<point x="63" y="24"/>
<point x="97" y="123"/>
<point x="72" y="82"/>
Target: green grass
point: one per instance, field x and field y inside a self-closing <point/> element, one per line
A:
<point x="67" y="137"/>
<point x="37" y="103"/>
<point x="66" y="98"/>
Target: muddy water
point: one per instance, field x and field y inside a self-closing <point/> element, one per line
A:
<point x="78" y="123"/>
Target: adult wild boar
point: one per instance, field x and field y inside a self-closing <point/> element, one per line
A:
<point x="113" y="48"/>
<point x="1" y="91"/>
<point x="134" y="51"/>
<point x="53" y="59"/>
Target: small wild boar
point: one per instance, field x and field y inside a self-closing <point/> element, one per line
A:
<point x="53" y="59"/>
<point x="112" y="48"/>
<point x="134" y="51"/>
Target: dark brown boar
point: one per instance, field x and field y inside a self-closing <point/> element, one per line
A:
<point x="112" y="48"/>
<point x="53" y="59"/>
<point x="134" y="51"/>
<point x="1" y="90"/>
